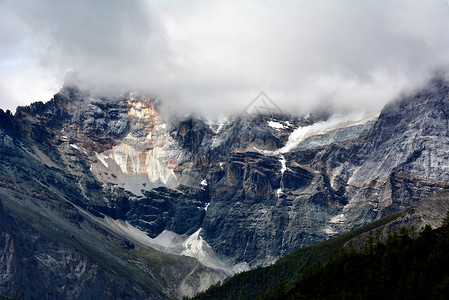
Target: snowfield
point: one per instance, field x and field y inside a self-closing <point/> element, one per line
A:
<point x="173" y="243"/>
<point x="320" y="128"/>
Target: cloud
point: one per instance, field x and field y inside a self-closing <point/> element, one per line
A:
<point x="216" y="56"/>
<point x="110" y="43"/>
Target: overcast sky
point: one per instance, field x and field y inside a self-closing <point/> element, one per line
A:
<point x="216" y="56"/>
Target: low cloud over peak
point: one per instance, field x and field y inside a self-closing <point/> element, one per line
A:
<point x="215" y="56"/>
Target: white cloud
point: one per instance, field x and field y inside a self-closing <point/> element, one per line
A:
<point x="216" y="56"/>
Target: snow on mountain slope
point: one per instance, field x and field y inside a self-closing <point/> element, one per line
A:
<point x="127" y="160"/>
<point x="195" y="246"/>
<point x="336" y="122"/>
<point x="276" y="125"/>
<point x="338" y="128"/>
<point x="217" y="125"/>
<point x="173" y="243"/>
<point x="143" y="159"/>
<point x="284" y="167"/>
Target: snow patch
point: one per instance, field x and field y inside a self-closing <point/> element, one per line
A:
<point x="276" y="125"/>
<point x="217" y="129"/>
<point x="102" y="159"/>
<point x="217" y="125"/>
<point x="330" y="231"/>
<point x="173" y="243"/>
<point x="283" y="164"/>
<point x="279" y="192"/>
<point x="204" y="182"/>
<point x="266" y="152"/>
<point x="207" y="205"/>
<point x="338" y="219"/>
<point x="74" y="146"/>
<point x="220" y="126"/>
<point x="132" y="162"/>
<point x="336" y="122"/>
<point x="195" y="246"/>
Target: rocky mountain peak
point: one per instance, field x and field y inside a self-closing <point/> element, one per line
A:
<point x="242" y="191"/>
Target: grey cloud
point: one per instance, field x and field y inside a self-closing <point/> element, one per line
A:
<point x="216" y="56"/>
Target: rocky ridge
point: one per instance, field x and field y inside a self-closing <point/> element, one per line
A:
<point x="241" y="192"/>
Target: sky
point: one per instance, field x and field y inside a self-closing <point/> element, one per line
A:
<point x="214" y="57"/>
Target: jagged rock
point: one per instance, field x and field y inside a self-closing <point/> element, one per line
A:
<point x="34" y="267"/>
<point x="250" y="189"/>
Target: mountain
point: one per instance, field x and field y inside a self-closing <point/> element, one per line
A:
<point x="301" y="193"/>
<point x="34" y="266"/>
<point x="286" y="273"/>
<point x="170" y="205"/>
<point x="405" y="266"/>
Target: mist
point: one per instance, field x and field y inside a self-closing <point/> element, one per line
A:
<point x="214" y="57"/>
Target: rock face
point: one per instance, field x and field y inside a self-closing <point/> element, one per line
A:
<point x="48" y="183"/>
<point x="401" y="160"/>
<point x="34" y="267"/>
<point x="188" y="201"/>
